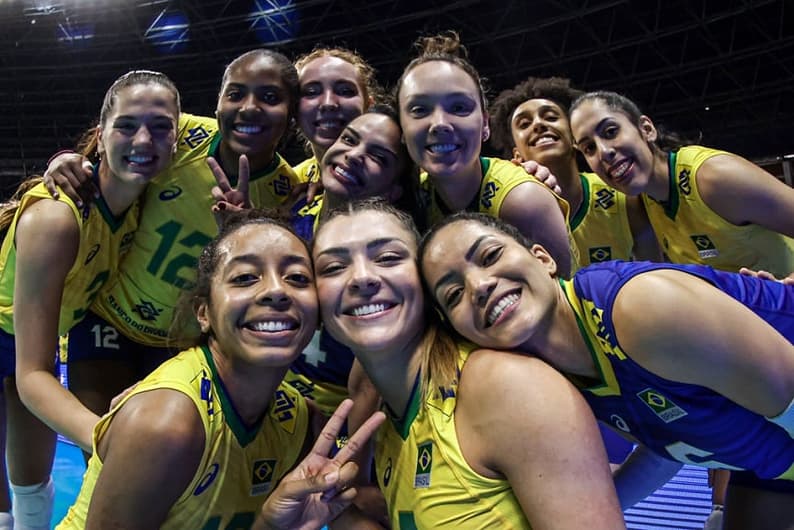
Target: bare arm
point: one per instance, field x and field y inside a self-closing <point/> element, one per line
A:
<point x="646" y="246"/>
<point x="519" y="418"/>
<point x="534" y="210"/>
<point x="743" y="193"/>
<point x="72" y="172"/>
<point x="694" y="333"/>
<point x="47" y="241"/>
<point x="156" y="438"/>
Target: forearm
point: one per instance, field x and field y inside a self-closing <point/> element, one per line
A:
<point x="44" y="395"/>
<point x="641" y="474"/>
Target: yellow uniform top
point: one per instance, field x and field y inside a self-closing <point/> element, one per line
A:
<point x="500" y="177"/>
<point x="308" y="170"/>
<point x="176" y="223"/>
<point x="425" y="478"/>
<point x="600" y="228"/>
<point x="240" y="466"/>
<point x="691" y="232"/>
<point x="103" y="240"/>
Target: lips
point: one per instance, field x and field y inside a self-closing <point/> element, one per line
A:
<point x="617" y="172"/>
<point x="346" y="176"/>
<point x="442" y="148"/>
<point x="139" y="160"/>
<point x="502" y="307"/>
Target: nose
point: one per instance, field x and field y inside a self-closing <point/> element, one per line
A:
<point x="538" y="124"/>
<point x="355" y="155"/>
<point x="272" y="292"/>
<point x="606" y="150"/>
<point x="142" y="136"/>
<point x="249" y="103"/>
<point x="364" y="282"/>
<point x="481" y="287"/>
<point x="329" y="100"/>
<point x="439" y="121"/>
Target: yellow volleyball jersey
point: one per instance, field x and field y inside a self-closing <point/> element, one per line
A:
<point x="104" y="238"/>
<point x="691" y="232"/>
<point x="426" y="480"/>
<point x="308" y="170"/>
<point x="240" y="466"/>
<point x="176" y="223"/>
<point x="600" y="228"/>
<point x="500" y="177"/>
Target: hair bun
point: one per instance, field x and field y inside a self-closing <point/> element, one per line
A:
<point x="446" y="43"/>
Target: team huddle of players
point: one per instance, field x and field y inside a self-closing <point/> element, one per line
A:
<point x="474" y="300"/>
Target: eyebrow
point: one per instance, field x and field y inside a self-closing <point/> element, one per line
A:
<point x="375" y="243"/>
<point x="541" y="110"/>
<point x="255" y="259"/>
<point x="469" y="254"/>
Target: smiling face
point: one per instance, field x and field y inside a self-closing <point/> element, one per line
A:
<point x="331" y="96"/>
<point x="494" y="291"/>
<point x="368" y="282"/>
<point x="442" y="118"/>
<point x="541" y="132"/>
<point x="365" y="160"/>
<point x="616" y="149"/>
<point x="253" y="110"/>
<point x="137" y="137"/>
<point x="262" y="304"/>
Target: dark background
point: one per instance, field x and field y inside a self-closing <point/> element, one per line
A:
<point x="723" y="69"/>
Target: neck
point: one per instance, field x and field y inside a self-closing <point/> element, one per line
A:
<point x="230" y="161"/>
<point x="560" y="342"/>
<point x="250" y="388"/>
<point x="457" y="191"/>
<point x="394" y="373"/>
<point x="318" y="152"/>
<point x="118" y="195"/>
<point x="659" y="183"/>
<point x="567" y="173"/>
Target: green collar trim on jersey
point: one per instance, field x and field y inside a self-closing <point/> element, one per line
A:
<point x="104" y="210"/>
<point x="474" y="205"/>
<point x="580" y="214"/>
<point x="244" y="435"/>
<point x="403" y="423"/>
<point x="214" y="152"/>
<point x="582" y="382"/>
<point x="671" y="204"/>
<point x="485" y="165"/>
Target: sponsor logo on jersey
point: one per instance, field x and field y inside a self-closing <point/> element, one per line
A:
<point x="126" y="242"/>
<point x="205" y="391"/>
<point x="704" y="246"/>
<point x="195" y="136"/>
<point x="486" y="199"/>
<point x="284" y="410"/>
<point x="282" y="186"/>
<point x="424" y="463"/>
<point x="262" y="476"/>
<point x="91" y="254"/>
<point x="170" y="194"/>
<point x="599" y="254"/>
<point x="147" y="310"/>
<point x="387" y="473"/>
<point x="207" y="480"/>
<point x="303" y="387"/>
<point x="661" y="405"/>
<point x="604" y="198"/>
<point x="596" y="315"/>
<point x="620" y="423"/>
<point x="683" y="182"/>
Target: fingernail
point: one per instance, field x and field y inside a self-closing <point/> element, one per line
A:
<point x="331" y="477"/>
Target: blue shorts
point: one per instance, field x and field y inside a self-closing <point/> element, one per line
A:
<point x="8" y="353"/>
<point x="93" y="338"/>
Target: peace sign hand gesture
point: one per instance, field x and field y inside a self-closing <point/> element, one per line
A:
<point x="226" y="197"/>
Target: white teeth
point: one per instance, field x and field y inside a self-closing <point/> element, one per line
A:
<point x="328" y="124"/>
<point x="248" y="129"/>
<point x="369" y="309"/>
<point x="140" y="159"/>
<point x="619" y="170"/>
<point x="545" y="140"/>
<point x="503" y="304"/>
<point x="442" y="148"/>
<point x="346" y="175"/>
<point x="271" y="325"/>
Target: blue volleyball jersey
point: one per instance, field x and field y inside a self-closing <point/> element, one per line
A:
<point x="686" y="422"/>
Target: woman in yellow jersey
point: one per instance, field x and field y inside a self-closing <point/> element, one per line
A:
<point x="336" y="85"/>
<point x="55" y="257"/>
<point x="444" y="119"/>
<point x="507" y="443"/>
<point x="706" y="206"/>
<point x="530" y="122"/>
<point x="696" y="364"/>
<point x="205" y="439"/>
<point x="126" y="333"/>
